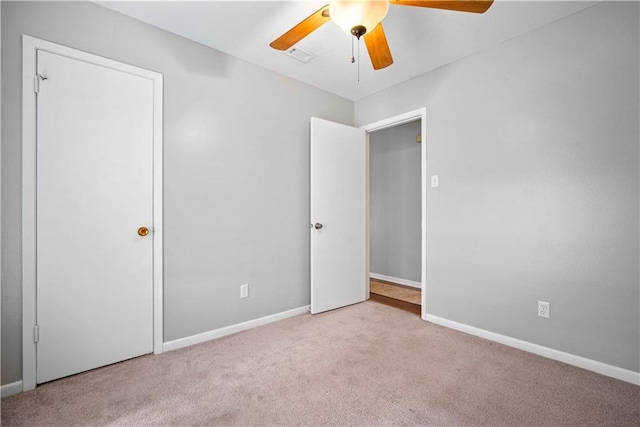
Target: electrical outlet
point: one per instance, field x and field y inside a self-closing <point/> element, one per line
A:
<point x="543" y="309"/>
<point x="244" y="291"/>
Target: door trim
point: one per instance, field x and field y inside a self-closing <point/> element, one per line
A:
<point x="30" y="45"/>
<point x="419" y="114"/>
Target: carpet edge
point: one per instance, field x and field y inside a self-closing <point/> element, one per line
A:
<point x="550" y="353"/>
<point x="232" y="329"/>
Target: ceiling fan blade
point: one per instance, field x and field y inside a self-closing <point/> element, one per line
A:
<point x="378" y="48"/>
<point x="302" y="30"/>
<point x="475" y="6"/>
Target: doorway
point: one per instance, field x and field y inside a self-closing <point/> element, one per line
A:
<point x="394" y="200"/>
<point x="92" y="251"/>
<point x="397" y="211"/>
<point x="340" y="211"/>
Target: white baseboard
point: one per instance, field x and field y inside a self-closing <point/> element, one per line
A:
<point x="10" y="389"/>
<point x="228" y="330"/>
<point x="570" y="359"/>
<point x="396" y="280"/>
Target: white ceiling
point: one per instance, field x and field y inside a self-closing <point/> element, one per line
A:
<point x="420" y="39"/>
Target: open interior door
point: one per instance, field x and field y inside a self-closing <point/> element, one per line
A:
<point x="339" y="222"/>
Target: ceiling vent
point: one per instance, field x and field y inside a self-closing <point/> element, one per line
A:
<point x="299" y="54"/>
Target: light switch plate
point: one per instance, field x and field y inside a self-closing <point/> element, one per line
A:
<point x="434" y="181"/>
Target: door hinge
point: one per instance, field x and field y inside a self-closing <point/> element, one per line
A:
<point x="36" y="82"/>
<point x="36" y="333"/>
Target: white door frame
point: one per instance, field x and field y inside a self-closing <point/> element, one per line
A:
<point x="30" y="46"/>
<point x="420" y="114"/>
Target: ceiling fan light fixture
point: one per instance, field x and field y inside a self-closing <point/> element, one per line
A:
<point x="358" y="17"/>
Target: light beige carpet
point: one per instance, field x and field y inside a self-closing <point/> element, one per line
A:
<point x="368" y="364"/>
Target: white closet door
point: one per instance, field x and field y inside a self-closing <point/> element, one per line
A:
<point x="94" y="190"/>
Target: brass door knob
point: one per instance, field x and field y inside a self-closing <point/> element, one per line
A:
<point x="143" y="231"/>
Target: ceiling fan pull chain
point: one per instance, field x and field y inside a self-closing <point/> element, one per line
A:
<point x="358" y="59"/>
<point x="353" y="59"/>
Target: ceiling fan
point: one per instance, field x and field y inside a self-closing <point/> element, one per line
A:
<point x="364" y="18"/>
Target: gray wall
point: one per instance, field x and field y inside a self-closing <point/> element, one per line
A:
<point x="236" y="170"/>
<point x="536" y="145"/>
<point x="395" y="202"/>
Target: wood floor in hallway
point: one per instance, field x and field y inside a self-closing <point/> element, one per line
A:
<point x="393" y="294"/>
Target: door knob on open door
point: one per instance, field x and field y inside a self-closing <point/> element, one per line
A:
<point x="318" y="226"/>
<point x="143" y="231"/>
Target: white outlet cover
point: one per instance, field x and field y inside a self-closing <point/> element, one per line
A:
<point x="543" y="309"/>
<point x="434" y="181"/>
